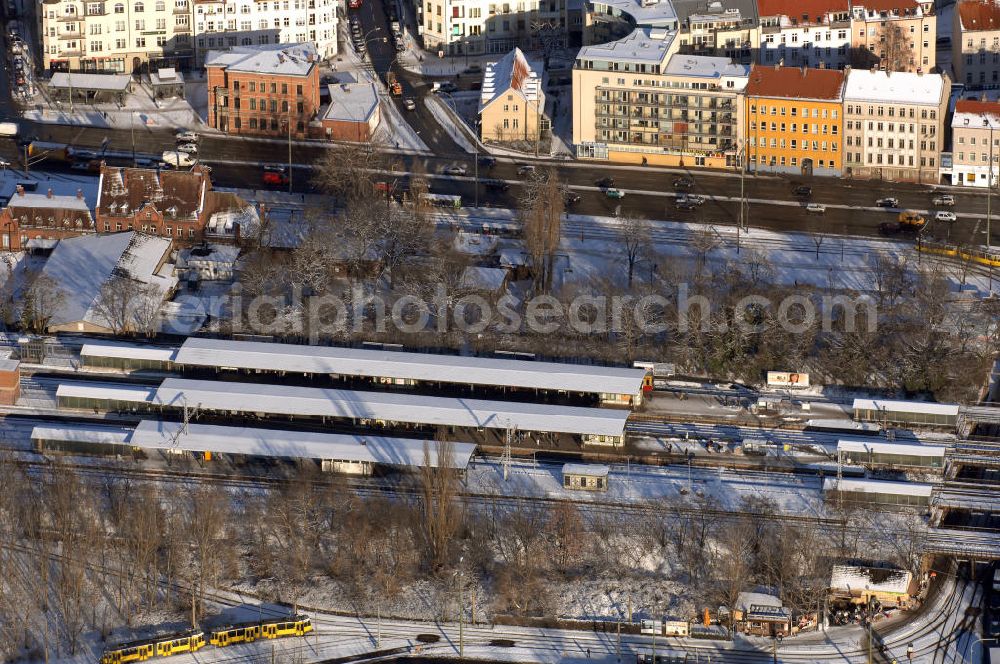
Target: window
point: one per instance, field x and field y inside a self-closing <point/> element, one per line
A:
<point x="140" y="42"/>
<point x="138" y="8"/>
<point x="119" y="8"/>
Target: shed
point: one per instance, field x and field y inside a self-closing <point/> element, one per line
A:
<point x="761" y="613"/>
<point x="90" y="88"/>
<point x="858" y="583"/>
<point x="10" y="381"/>
<point x="585" y="476"/>
<point x="167" y="82"/>
<point x="491" y="280"/>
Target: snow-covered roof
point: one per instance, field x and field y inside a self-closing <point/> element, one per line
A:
<point x="587" y="469"/>
<point x="128" y="351"/>
<point x="922" y="407"/>
<point x="391" y="407"/>
<point x="112" y="82"/>
<point x="352" y="102"/>
<point x="876" y="579"/>
<point x="77" y="435"/>
<point x="515" y="73"/>
<point x="878" y="487"/>
<point x="8" y="365"/>
<point x="645" y="45"/>
<point x="426" y="367"/>
<point x="27" y="200"/>
<point x="646" y="13"/>
<point x="976" y="114"/>
<point x="865" y="446"/>
<point x="166" y="76"/>
<point x="747" y="599"/>
<point x="115" y="391"/>
<point x="296" y="444"/>
<point x="483" y="278"/>
<point x="217" y="254"/>
<point x="277" y="59"/>
<point x="898" y="87"/>
<point x="704" y="66"/>
<point x="80" y="266"/>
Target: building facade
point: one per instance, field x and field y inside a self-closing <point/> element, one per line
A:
<point x="794" y="120"/>
<point x="33" y="220"/>
<point x="512" y="102"/>
<point x="115" y="35"/>
<point x="493" y="26"/>
<point x="895" y="35"/>
<point x="263" y="90"/>
<point x="805" y="33"/>
<point x="975" y="143"/>
<point x="975" y="43"/>
<point x="728" y="29"/>
<point x="170" y="204"/>
<point x="219" y="24"/>
<point x="354" y="112"/>
<point x="894" y="125"/>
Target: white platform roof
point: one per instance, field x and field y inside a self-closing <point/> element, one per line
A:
<point x="907" y="407"/>
<point x="104" y="436"/>
<point x="117" y="391"/>
<point x="393" y="407"/>
<point x="295" y="444"/>
<point x="128" y="351"/>
<point x="877" y="447"/>
<point x="588" y="469"/>
<point x="415" y="366"/>
<point x="878" y="579"/>
<point x="878" y="487"/>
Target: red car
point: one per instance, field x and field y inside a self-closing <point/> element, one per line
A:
<point x="354" y="4"/>
<point x="274" y="177"/>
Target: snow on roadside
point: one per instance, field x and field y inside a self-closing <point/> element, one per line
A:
<point x="448" y="122"/>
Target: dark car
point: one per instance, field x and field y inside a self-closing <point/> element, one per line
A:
<point x="571" y="197"/>
<point x="606" y="183"/>
<point x="991" y="623"/>
<point x="683" y="183"/>
<point x="487" y="161"/>
<point x="802" y="190"/>
<point x="496" y="185"/>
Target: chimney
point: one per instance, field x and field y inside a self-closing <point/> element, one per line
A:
<point x="79" y="194"/>
<point x="777" y="65"/>
<point x="49" y="194"/>
<point x="20" y="190"/>
<point x="803" y="70"/>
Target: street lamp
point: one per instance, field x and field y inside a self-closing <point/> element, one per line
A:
<point x="461" y="608"/>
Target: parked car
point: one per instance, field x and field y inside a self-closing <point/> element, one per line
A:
<point x="188" y="148"/>
<point x="186" y="137"/>
<point x="473" y="69"/>
<point x="455" y="169"/>
<point x="614" y="193"/>
<point x="274" y="178"/>
<point x="526" y="169"/>
<point x="496" y="185"/>
<point x="4" y="163"/>
<point x="444" y="86"/>
<point x="887" y="202"/>
<point x="695" y="199"/>
<point x="570" y="197"/>
<point x="684" y="204"/>
<point x="802" y="190"/>
<point x="409" y="104"/>
<point x="487" y="161"/>
<point x="605" y="183"/>
<point x="945" y="216"/>
<point x="944" y="199"/>
<point x="683" y="183"/>
<point x="817" y="208"/>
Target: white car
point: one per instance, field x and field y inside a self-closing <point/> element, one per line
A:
<point x="4" y="163"/>
<point x="695" y="199"/>
<point x="455" y="170"/>
<point x="944" y="199"/>
<point x="186" y="137"/>
<point x="818" y="208"/>
<point x="944" y="215"/>
<point x="189" y="148"/>
<point x="409" y="104"/>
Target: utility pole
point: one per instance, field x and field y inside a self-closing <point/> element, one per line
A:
<point x="289" y="147"/>
<point x="378" y="624"/>
<point x="989" y="189"/>
<point x="461" y="611"/>
<point x="131" y="128"/>
<point x="505" y="458"/>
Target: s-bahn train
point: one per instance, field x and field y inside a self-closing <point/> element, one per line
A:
<point x="194" y="640"/>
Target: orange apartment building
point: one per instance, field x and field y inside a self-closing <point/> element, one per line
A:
<point x="266" y="90"/>
<point x="794" y="120"/>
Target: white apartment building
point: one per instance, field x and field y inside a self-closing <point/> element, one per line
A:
<point x="975" y="143"/>
<point x="895" y="35"/>
<point x="894" y="125"/>
<point x="975" y="43"/>
<point x="459" y="27"/>
<point x="115" y="35"/>
<point x="805" y="33"/>
<point x="220" y="24"/>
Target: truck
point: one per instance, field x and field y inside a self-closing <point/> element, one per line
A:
<point x="8" y="129"/>
<point x="907" y="222"/>
<point x="394" y="86"/>
<point x="177" y="159"/>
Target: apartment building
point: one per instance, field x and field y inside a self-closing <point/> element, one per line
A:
<point x="721" y="28"/>
<point x="266" y="90"/>
<point x="975" y="143"/>
<point x="171" y="204"/>
<point x="220" y="24"/>
<point x="458" y="27"/>
<point x="975" y="43"/>
<point x="115" y="35"/>
<point x="33" y="220"/>
<point x="656" y="106"/>
<point x="805" y="33"/>
<point x="894" y="125"/>
<point x="794" y="120"/>
<point x="512" y="101"/>
<point x="895" y="35"/>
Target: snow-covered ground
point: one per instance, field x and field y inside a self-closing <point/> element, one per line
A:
<point x="140" y="110"/>
<point x="449" y="122"/>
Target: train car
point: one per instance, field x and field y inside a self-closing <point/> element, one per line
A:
<point x="160" y="646"/>
<point x="989" y="258"/>
<point x="54" y="151"/>
<point x="248" y="632"/>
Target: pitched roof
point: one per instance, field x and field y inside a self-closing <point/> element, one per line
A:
<point x="53" y="211"/>
<point x="976" y="114"/>
<point x="352" y="102"/>
<point x="281" y="59"/>
<point x="795" y="83"/>
<point x="806" y="10"/>
<point x="180" y="193"/>
<point x="901" y="7"/>
<point x="905" y="87"/>
<point x="513" y="72"/>
<point x="979" y="15"/>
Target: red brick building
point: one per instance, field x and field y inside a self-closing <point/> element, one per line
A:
<point x="34" y="220"/>
<point x="265" y="90"/>
<point x="10" y="381"/>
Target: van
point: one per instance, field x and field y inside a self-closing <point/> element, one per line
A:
<point x="8" y="129"/>
<point x="175" y="158"/>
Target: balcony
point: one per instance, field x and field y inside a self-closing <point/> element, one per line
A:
<point x="97" y="11"/>
<point x="76" y="34"/>
<point x="71" y="53"/>
<point x="69" y="18"/>
<point x="182" y="28"/>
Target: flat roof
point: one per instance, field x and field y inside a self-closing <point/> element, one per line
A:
<point x="864" y="446"/>
<point x="352" y="102"/>
<point x="112" y="82"/>
<point x="704" y="66"/>
<point x="924" y="407"/>
<point x="878" y="487"/>
<point x="645" y="45"/>
<point x="296" y="444"/>
<point x="588" y="469"/>
<point x="688" y="11"/>
<point x="392" y="407"/>
<point x="372" y="363"/>
<point x="117" y="391"/>
<point x="128" y="351"/>
<point x="645" y="13"/>
<point x="894" y="87"/>
<point x="95" y="435"/>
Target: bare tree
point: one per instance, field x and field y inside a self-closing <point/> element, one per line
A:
<point x="40" y="301"/>
<point x="441" y="516"/>
<point x="127" y="305"/>
<point x="897" y="53"/>
<point x="757" y="266"/>
<point x="349" y="171"/>
<point x="541" y="209"/>
<point x="636" y="240"/>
